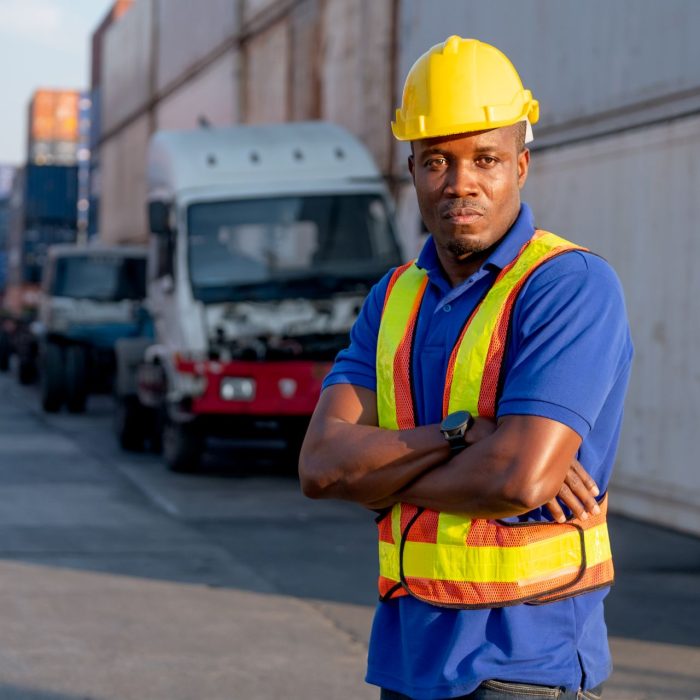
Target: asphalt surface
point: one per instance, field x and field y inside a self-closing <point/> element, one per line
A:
<point x="120" y="580"/>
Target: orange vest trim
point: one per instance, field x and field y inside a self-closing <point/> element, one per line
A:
<point x="451" y="560"/>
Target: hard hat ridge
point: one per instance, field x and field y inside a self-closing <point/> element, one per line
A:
<point x="458" y="86"/>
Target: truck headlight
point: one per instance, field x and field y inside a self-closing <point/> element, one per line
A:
<point x="237" y="389"/>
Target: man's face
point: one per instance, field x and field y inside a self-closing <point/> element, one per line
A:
<point x="468" y="187"/>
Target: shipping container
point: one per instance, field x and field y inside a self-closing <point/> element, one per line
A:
<point x="630" y="198"/>
<point x="127" y="66"/>
<point x="114" y="13"/>
<point x="594" y="66"/>
<point x="209" y="97"/>
<point x="267" y="88"/>
<point x="53" y="130"/>
<point x="357" y="84"/>
<point x="191" y="34"/>
<point x="123" y="185"/>
<point x="50" y="195"/>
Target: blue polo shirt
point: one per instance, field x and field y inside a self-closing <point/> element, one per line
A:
<point x="568" y="359"/>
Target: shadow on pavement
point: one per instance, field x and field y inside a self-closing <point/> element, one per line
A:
<point x="656" y="596"/>
<point x="15" y="692"/>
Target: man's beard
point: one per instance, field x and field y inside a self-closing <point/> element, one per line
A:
<point x="460" y="248"/>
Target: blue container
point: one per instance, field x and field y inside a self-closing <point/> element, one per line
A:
<point x="50" y="195"/>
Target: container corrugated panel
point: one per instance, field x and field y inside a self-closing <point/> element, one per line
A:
<point x="267" y="75"/>
<point x="126" y="65"/>
<point x="210" y="95"/>
<point x="306" y="61"/>
<point x="118" y="9"/>
<point x="579" y="58"/>
<point x="633" y="199"/>
<point x="50" y="195"/>
<point x="123" y="185"/>
<point x="190" y="32"/>
<point x="253" y="9"/>
<point x="356" y="70"/>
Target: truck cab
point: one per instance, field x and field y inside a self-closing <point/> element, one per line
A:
<point x="264" y="242"/>
<point x="90" y="297"/>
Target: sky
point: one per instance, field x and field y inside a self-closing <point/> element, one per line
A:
<point x="43" y="43"/>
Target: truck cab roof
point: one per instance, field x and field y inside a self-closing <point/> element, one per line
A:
<point x="265" y="154"/>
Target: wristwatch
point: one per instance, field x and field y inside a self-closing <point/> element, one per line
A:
<point x="454" y="429"/>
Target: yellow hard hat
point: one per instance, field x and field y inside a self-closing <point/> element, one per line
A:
<point x="458" y="86"/>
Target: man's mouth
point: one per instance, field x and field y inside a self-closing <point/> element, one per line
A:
<point x="462" y="215"/>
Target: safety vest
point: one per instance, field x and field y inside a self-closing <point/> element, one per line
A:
<point x="450" y="559"/>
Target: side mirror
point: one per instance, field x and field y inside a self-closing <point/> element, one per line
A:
<point x="159" y="218"/>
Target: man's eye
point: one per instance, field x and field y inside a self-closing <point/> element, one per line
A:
<point x="486" y="160"/>
<point x="436" y="162"/>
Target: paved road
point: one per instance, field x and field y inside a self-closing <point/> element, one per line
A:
<point x="119" y="580"/>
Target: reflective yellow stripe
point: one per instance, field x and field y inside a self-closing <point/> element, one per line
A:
<point x="473" y="350"/>
<point x="389" y="553"/>
<point x="521" y="565"/>
<point x="392" y="329"/>
<point x="453" y="528"/>
<point x="389" y="561"/>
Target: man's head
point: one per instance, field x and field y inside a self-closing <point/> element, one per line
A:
<point x="466" y="114"/>
<point x="468" y="186"/>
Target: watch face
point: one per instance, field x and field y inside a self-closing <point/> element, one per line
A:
<point x="455" y="420"/>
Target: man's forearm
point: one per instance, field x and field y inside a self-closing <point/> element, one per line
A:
<point x="501" y="475"/>
<point x="367" y="464"/>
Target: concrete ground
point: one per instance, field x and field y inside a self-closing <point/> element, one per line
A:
<point x="120" y="580"/>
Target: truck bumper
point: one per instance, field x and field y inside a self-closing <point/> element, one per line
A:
<point x="278" y="388"/>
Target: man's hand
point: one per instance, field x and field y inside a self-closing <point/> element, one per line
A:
<point x="578" y="491"/>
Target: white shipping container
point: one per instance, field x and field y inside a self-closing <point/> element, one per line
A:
<point x="189" y="32"/>
<point x="211" y="95"/>
<point x="581" y="59"/>
<point x="356" y="71"/>
<point x="123" y="180"/>
<point x="305" y="61"/>
<point x="267" y="75"/>
<point x="126" y="65"/>
<point x="633" y="199"/>
<point x="253" y="9"/>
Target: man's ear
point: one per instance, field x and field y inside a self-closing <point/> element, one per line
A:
<point x="523" y="166"/>
<point x="412" y="166"/>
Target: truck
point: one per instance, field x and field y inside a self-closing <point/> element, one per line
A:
<point x="264" y="241"/>
<point x="42" y="212"/>
<point x="91" y="297"/>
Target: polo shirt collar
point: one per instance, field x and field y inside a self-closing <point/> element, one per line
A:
<point x="519" y="233"/>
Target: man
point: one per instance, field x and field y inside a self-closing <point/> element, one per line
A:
<point x="482" y="381"/>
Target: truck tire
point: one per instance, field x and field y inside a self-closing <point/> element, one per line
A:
<point x="5" y="352"/>
<point x="26" y="370"/>
<point x="52" y="378"/>
<point x="182" y="447"/>
<point x="76" y="379"/>
<point x="130" y="423"/>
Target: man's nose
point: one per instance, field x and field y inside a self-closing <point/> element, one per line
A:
<point x="461" y="180"/>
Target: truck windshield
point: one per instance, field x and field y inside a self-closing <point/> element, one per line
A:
<point x="106" y="278"/>
<point x="274" y="248"/>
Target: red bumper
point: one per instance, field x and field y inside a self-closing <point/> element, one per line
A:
<point x="281" y="388"/>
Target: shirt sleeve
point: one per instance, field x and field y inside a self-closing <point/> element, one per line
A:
<point x="570" y="342"/>
<point x="357" y="363"/>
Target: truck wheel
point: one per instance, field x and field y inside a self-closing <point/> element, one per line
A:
<point x="76" y="379"/>
<point x="51" y="375"/>
<point x="26" y="370"/>
<point x="182" y="447"/>
<point x="5" y="352"/>
<point x="129" y="423"/>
